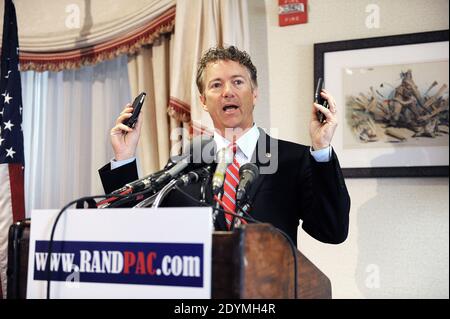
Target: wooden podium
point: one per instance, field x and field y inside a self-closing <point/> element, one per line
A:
<point x="255" y="261"/>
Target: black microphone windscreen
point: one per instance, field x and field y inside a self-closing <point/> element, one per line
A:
<point x="249" y="167"/>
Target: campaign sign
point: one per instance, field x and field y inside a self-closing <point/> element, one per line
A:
<point x="121" y="253"/>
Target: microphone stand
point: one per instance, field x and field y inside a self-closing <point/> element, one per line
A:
<point x="236" y="222"/>
<point x="216" y="208"/>
<point x="185" y="180"/>
<point x="203" y="187"/>
<point x="146" y="202"/>
<point x="163" y="193"/>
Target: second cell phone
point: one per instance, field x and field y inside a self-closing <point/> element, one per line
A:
<point x="137" y="105"/>
<point x="320" y="100"/>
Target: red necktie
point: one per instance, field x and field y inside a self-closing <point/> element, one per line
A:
<point x="229" y="187"/>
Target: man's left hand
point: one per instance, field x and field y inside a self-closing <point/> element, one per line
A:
<point x="322" y="133"/>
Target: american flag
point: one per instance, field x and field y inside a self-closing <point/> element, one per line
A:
<point x="12" y="206"/>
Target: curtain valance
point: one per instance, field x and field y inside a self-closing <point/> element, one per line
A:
<point x="64" y="34"/>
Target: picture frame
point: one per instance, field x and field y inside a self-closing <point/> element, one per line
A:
<point x="389" y="127"/>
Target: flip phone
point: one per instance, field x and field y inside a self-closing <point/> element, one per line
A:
<point x="137" y="105"/>
<point x="320" y="100"/>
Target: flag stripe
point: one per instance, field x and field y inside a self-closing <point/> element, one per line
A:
<point x="17" y="191"/>
<point x="6" y="219"/>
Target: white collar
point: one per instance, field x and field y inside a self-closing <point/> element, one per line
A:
<point x="246" y="143"/>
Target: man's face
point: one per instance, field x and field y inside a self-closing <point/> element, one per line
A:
<point x="228" y="96"/>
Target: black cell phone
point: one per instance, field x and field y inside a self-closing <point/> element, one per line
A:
<point x="137" y="105"/>
<point x="320" y="100"/>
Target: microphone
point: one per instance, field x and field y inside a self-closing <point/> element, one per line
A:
<point x="146" y="181"/>
<point x="172" y="172"/>
<point x="223" y="159"/>
<point x="200" y="152"/>
<point x="143" y="183"/>
<point x="248" y="173"/>
<point x="129" y="188"/>
<point x="186" y="179"/>
<point x="193" y="176"/>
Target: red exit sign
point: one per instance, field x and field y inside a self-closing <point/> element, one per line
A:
<point x="292" y="12"/>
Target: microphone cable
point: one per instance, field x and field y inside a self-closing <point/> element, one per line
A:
<point x="55" y="223"/>
<point x="251" y="219"/>
<point x="126" y="190"/>
<point x="292" y="246"/>
<point x="130" y="197"/>
<point x="111" y="199"/>
<point x="200" y="172"/>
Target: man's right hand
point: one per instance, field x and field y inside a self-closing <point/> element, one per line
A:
<point x="123" y="138"/>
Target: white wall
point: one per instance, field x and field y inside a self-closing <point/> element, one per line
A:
<point x="398" y="240"/>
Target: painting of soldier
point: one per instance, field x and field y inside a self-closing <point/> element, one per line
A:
<point x="397" y="104"/>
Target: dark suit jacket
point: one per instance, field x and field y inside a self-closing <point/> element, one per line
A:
<point x="291" y="186"/>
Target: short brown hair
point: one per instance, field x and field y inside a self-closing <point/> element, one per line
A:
<point x="230" y="53"/>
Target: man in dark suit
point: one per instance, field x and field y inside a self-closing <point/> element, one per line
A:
<point x="295" y="182"/>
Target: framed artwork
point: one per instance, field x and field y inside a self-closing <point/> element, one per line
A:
<point x="392" y="98"/>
